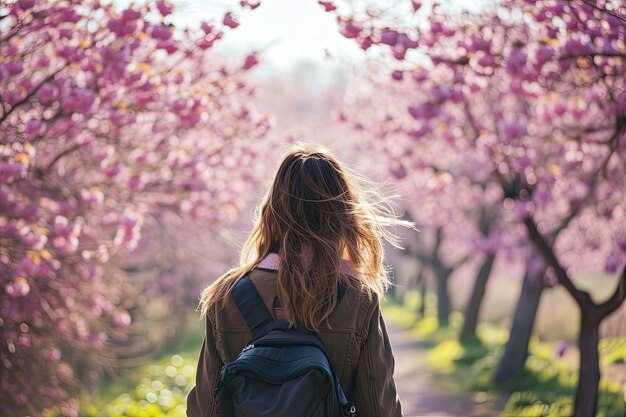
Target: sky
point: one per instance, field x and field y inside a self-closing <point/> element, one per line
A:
<point x="286" y="32"/>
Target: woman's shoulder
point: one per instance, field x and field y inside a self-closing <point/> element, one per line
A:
<point x="263" y="279"/>
<point x="354" y="310"/>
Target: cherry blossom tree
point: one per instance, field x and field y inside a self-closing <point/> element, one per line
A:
<point x="537" y="89"/>
<point x="448" y="195"/>
<point x="109" y="117"/>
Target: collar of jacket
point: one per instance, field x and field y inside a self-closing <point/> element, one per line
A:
<point x="272" y="261"/>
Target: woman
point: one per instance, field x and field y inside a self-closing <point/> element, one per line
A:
<point x="317" y="228"/>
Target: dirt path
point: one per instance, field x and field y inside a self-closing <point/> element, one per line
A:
<point x="420" y="395"/>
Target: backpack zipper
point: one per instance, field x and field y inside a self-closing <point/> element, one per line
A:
<point x="246" y="348"/>
<point x="274" y="380"/>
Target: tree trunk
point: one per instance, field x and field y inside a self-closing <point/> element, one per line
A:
<point x="478" y="292"/>
<point x="392" y="291"/>
<point x="443" y="294"/>
<point x="589" y="368"/>
<point x="516" y="350"/>
<point x="591" y="315"/>
<point x="422" y="288"/>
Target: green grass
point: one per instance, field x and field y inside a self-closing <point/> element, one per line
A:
<point x="158" y="388"/>
<point x="544" y="389"/>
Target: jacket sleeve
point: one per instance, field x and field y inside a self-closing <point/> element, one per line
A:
<point x="200" y="400"/>
<point x="376" y="394"/>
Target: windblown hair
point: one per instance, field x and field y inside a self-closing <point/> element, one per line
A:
<point x="314" y="216"/>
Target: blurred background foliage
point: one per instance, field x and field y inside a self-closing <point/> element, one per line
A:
<point x="181" y="228"/>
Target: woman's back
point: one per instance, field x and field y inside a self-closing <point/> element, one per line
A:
<point x="317" y="231"/>
<point x="354" y="336"/>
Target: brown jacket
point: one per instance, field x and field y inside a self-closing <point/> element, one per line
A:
<point x="356" y="342"/>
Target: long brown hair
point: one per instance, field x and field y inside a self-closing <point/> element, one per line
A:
<point x="315" y="215"/>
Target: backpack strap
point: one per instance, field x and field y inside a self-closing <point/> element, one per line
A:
<point x="341" y="291"/>
<point x="251" y="305"/>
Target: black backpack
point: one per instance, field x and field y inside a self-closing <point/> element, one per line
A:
<point x="282" y="372"/>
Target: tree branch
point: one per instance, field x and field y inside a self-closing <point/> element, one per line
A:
<point x="32" y="93"/>
<point x="603" y="10"/>
<point x="62" y="154"/>
<point x="548" y="254"/>
<point x="460" y="262"/>
<point x="616" y="300"/>
<point x="593" y="54"/>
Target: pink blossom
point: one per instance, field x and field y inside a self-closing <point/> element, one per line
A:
<point x="513" y="129"/>
<point x="79" y="100"/>
<point x="165" y="8"/>
<point x="438" y="28"/>
<point x="614" y="262"/>
<point x="161" y="32"/>
<point x="14" y="67"/>
<point x="27" y="268"/>
<point x="487" y="61"/>
<point x="398" y="51"/>
<point x="398" y="170"/>
<point x="64" y="245"/>
<point x="328" y="5"/>
<point x="122" y="27"/>
<point x="205" y="43"/>
<point x="419" y="75"/>
<point x="516" y="61"/>
<point x="34" y="241"/>
<point x="365" y="43"/>
<point x="130" y="14"/>
<point x="169" y="46"/>
<point x="422" y="131"/>
<point x="576" y="47"/>
<point x="122" y="318"/>
<point x="230" y="21"/>
<point x="247" y="3"/>
<point x="388" y="37"/>
<point x="18" y="287"/>
<point x="10" y="171"/>
<point x="523" y="209"/>
<point x="35" y="128"/>
<point x="66" y="33"/>
<point x="543" y="54"/>
<point x="113" y="170"/>
<point x="26" y="4"/>
<point x="424" y="111"/>
<point x="250" y="61"/>
<point x="62" y="227"/>
<point x="24" y="340"/>
<point x="350" y="30"/>
<point x="552" y="32"/>
<point x="69" y="15"/>
<point x="480" y="43"/>
<point x="179" y="105"/>
<point x="397" y="75"/>
<point x="43" y="61"/>
<point x="572" y="25"/>
<point x="442" y="93"/>
<point x="406" y="42"/>
<point x="206" y="28"/>
<point x="134" y="183"/>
